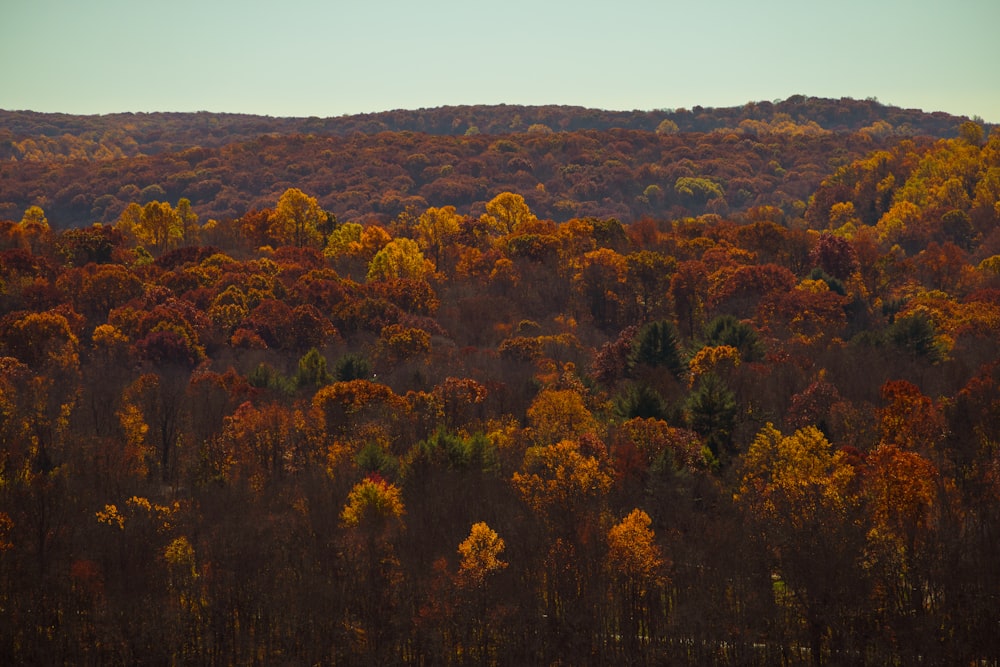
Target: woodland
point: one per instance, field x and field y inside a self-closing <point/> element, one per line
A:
<point x="501" y="386"/>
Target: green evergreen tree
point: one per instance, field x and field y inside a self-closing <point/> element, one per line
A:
<point x="711" y="412"/>
<point x="656" y="345"/>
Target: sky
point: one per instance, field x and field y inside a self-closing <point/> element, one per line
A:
<point x="331" y="57"/>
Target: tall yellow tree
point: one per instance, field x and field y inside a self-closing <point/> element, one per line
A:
<point x="400" y="258"/>
<point x="636" y="564"/>
<point x="506" y="211"/>
<point x="436" y="230"/>
<point x="797" y="494"/>
<point x="297" y="219"/>
<point x="480" y="553"/>
<point x="160" y="225"/>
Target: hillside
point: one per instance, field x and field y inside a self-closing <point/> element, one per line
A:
<point x="67" y="136"/>
<point x="588" y="397"/>
<point x="568" y="162"/>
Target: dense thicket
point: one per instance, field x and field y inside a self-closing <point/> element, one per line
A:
<point x="478" y="432"/>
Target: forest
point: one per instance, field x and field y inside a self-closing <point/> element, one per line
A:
<point x="590" y="388"/>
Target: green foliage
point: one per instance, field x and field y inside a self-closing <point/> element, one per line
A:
<point x="452" y="451"/>
<point x="641" y="400"/>
<point x="312" y="370"/>
<point x="915" y="334"/>
<point x="727" y="330"/>
<point x="372" y="458"/>
<point x="352" y="367"/>
<point x="698" y="189"/>
<point x="834" y="284"/>
<point x="264" y="376"/>
<point x="656" y="345"/>
<point x="711" y="409"/>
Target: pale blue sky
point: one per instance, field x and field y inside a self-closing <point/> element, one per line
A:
<point x="316" y="58"/>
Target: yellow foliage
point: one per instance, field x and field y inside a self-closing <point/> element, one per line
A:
<point x="436" y="229"/>
<point x="400" y="258"/>
<point x="713" y="359"/>
<point x="794" y="480"/>
<point x="344" y="240"/>
<point x="632" y="549"/>
<point x="558" y="414"/>
<point x="480" y="553"/>
<point x="557" y="477"/>
<point x="506" y="212"/>
<point x="135" y="428"/>
<point x="111" y="516"/>
<point x="179" y="554"/>
<point x="296" y="219"/>
<point x="373" y="503"/>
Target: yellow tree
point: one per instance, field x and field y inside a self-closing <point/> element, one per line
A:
<point x="159" y="225"/>
<point x="636" y="565"/>
<point x="297" y="220"/>
<point x="373" y="517"/>
<point x="480" y="553"/>
<point x="558" y="414"/>
<point x="344" y="240"/>
<point x="437" y="229"/>
<point x="901" y="490"/>
<point x="481" y="562"/>
<point x="505" y="212"/>
<point x="129" y="222"/>
<point x="187" y="220"/>
<point x="566" y="489"/>
<point x="34" y="216"/>
<point x="400" y="258"/>
<point x="797" y="495"/>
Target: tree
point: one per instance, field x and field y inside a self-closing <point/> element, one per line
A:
<point x="400" y="258"/>
<point x="648" y="275"/>
<point x="297" y="220"/>
<point x="727" y="330"/>
<point x="901" y="490"/>
<point x="835" y="255"/>
<point x="796" y="493"/>
<point x="480" y="553"/>
<point x="656" y="346"/>
<point x="373" y="516"/>
<point x="312" y="371"/>
<point x="187" y="220"/>
<point x="437" y="229"/>
<point x="688" y="288"/>
<point x="34" y="216"/>
<point x="915" y="335"/>
<point x="159" y="225"/>
<point x="698" y="189"/>
<point x="506" y="212"/>
<point x="636" y="566"/>
<point x="601" y="280"/>
<point x="557" y="414"/>
<point x="711" y="409"/>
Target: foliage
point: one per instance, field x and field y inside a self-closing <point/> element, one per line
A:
<point x="266" y="427"/>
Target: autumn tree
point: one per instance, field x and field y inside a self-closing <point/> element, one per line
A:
<point x="556" y="414"/>
<point x="399" y="258"/>
<point x="637" y="569"/>
<point x="373" y="516"/>
<point x="798" y="495"/>
<point x="297" y="219"/>
<point x="506" y="212"/>
<point x="437" y="229"/>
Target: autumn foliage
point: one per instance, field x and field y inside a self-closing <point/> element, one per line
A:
<point x="667" y="394"/>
